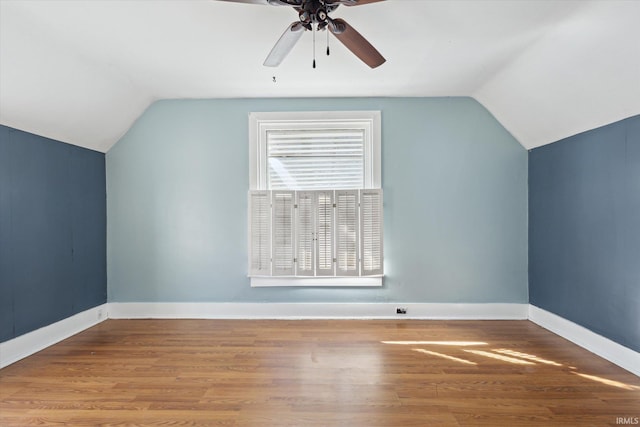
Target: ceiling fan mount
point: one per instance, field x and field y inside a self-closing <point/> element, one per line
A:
<point x="313" y="15"/>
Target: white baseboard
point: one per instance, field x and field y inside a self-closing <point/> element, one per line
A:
<point x="25" y="345"/>
<point x="18" y="348"/>
<point x="603" y="347"/>
<point x="316" y="311"/>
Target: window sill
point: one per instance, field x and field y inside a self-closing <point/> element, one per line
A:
<point x="266" y="282"/>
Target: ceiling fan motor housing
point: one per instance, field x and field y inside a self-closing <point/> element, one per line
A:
<point x="315" y="12"/>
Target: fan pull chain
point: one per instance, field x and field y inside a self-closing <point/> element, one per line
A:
<point x="313" y="31"/>
<point x="327" y="41"/>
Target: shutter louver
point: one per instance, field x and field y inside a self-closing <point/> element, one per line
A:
<point x="283" y="233"/>
<point x="259" y="233"/>
<point x="316" y="233"/>
<point x="371" y="228"/>
<point x="324" y="233"/>
<point x="305" y="248"/>
<point x="347" y="233"/>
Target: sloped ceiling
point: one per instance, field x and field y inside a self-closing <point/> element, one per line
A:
<point x="83" y="71"/>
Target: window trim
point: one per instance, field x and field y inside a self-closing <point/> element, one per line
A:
<point x="261" y="122"/>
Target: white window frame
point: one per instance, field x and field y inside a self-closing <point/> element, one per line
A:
<point x="262" y="122"/>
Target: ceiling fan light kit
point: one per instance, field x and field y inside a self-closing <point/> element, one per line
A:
<point x="313" y="15"/>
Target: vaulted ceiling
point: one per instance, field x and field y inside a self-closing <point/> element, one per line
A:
<point x="83" y="71"/>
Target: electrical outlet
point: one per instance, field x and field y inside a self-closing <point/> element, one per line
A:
<point x="401" y="310"/>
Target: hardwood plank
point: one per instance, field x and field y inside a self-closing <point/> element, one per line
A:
<point x="316" y="373"/>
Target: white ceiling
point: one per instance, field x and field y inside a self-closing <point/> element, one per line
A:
<point x="83" y="71"/>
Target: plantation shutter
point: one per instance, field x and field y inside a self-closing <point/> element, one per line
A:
<point x="347" y="232"/>
<point x="371" y="229"/>
<point x="259" y="233"/>
<point x="282" y="232"/>
<point x="305" y="225"/>
<point x="309" y="159"/>
<point x="324" y="233"/>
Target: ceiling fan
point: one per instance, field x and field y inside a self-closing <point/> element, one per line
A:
<point x="314" y="16"/>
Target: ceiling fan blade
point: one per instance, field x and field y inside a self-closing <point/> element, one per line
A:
<point x="352" y="2"/>
<point x="284" y="45"/>
<point x="357" y="44"/>
<point x="268" y="2"/>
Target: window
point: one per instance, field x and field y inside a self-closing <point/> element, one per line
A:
<point x="315" y="204"/>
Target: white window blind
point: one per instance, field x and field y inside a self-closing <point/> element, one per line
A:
<point x="322" y="233"/>
<point x="315" y="159"/>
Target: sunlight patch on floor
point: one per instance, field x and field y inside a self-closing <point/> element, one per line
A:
<point x="445" y="356"/>
<point x="451" y="343"/>
<point x="502" y="354"/>
<point x="500" y="357"/>
<point x="526" y="356"/>
<point x="606" y="381"/>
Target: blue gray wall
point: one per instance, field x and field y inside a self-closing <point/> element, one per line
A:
<point x="455" y="204"/>
<point x="584" y="230"/>
<point x="52" y="231"/>
<point x="456" y="210"/>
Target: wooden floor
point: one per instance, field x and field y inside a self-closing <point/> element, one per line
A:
<point x="316" y="373"/>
